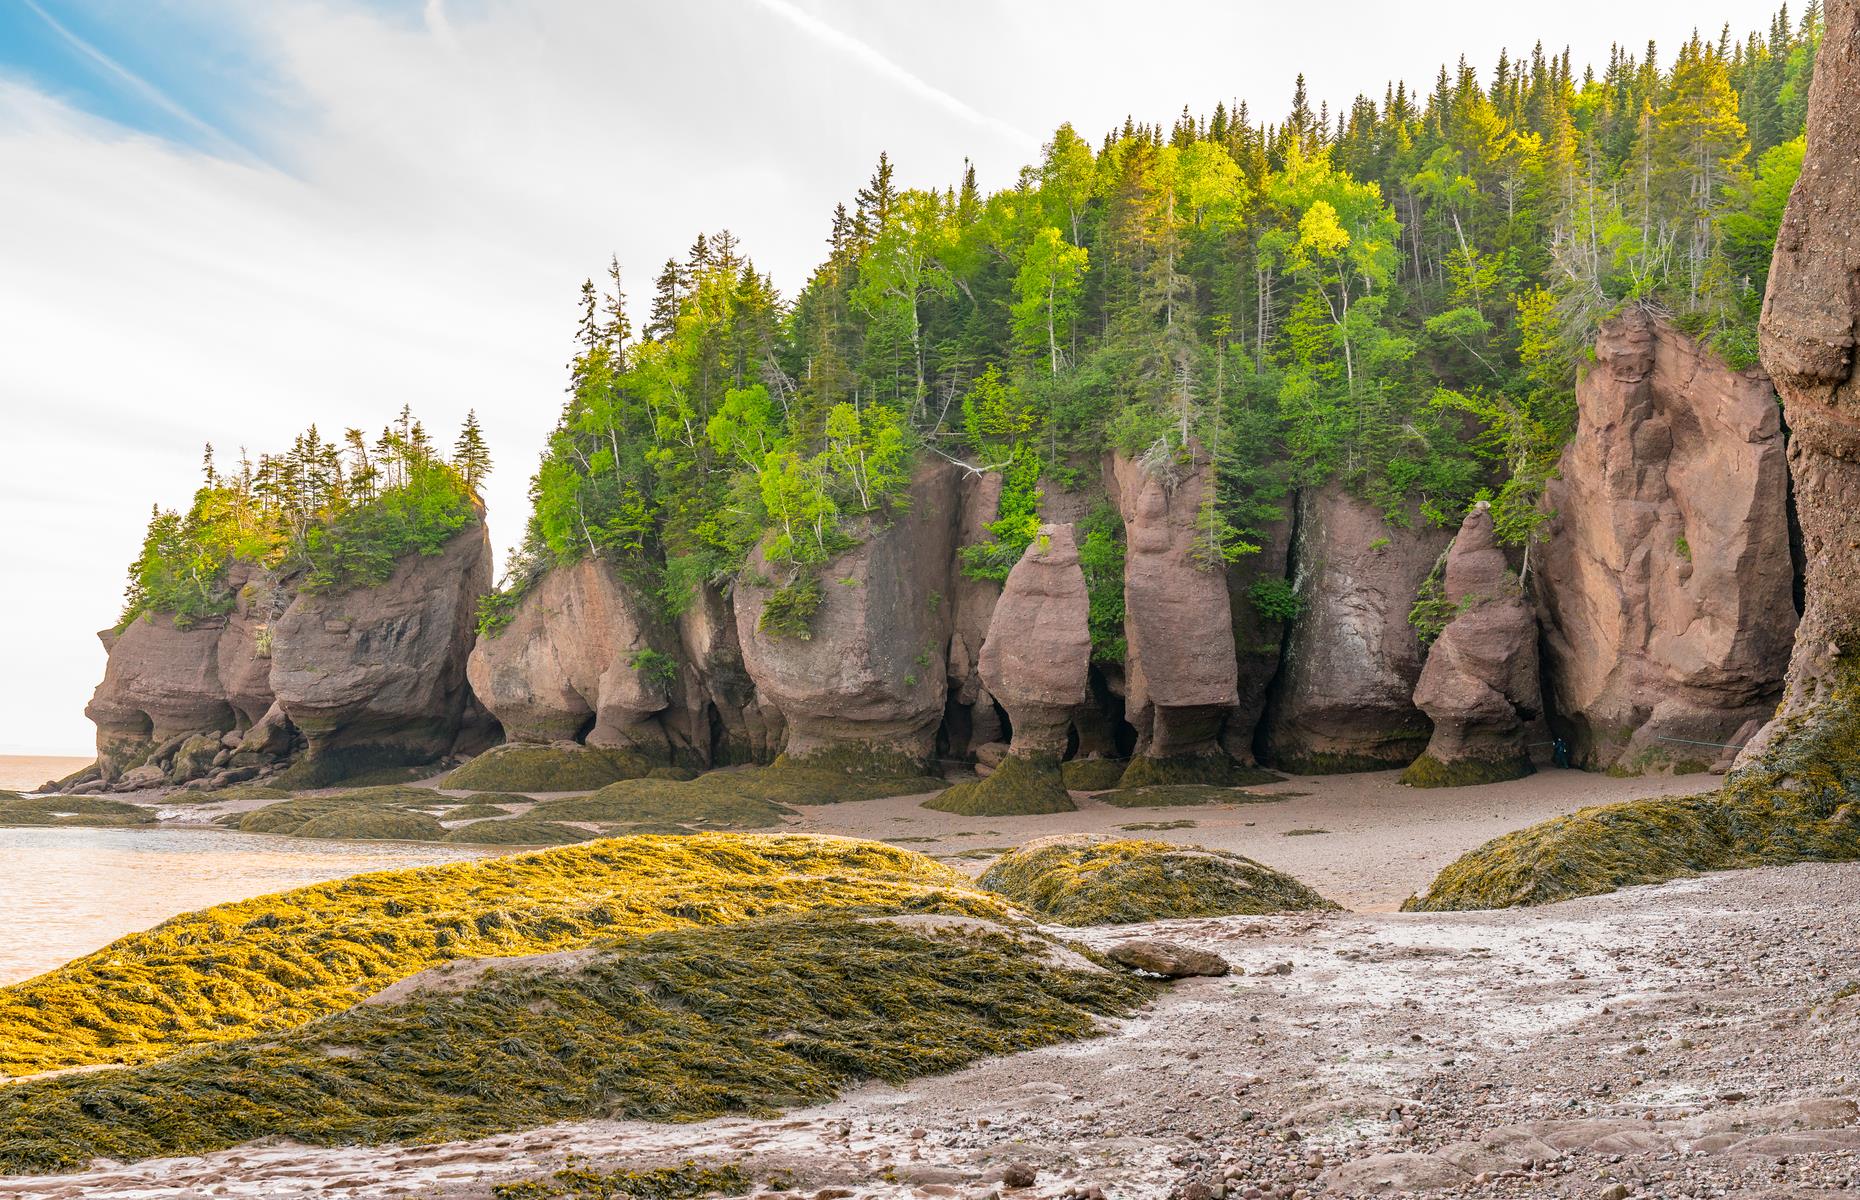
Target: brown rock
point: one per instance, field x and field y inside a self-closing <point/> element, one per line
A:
<point x="871" y="675"/>
<point x="1036" y="660"/>
<point x="161" y="680"/>
<point x="1665" y="578"/>
<point x="1344" y="699"/>
<point x="1258" y="639"/>
<point x="1168" y="959"/>
<point x="576" y="661"/>
<point x="376" y="676"/>
<point x="1807" y="335"/>
<point x="1479" y="686"/>
<point x="972" y="606"/>
<point x="1181" y="678"/>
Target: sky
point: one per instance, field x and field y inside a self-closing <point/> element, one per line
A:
<point x="222" y="221"/>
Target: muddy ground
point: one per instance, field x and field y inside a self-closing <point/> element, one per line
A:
<point x="1701" y="1038"/>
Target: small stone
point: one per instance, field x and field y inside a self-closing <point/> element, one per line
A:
<point x="1168" y="959"/>
<point x="1019" y="1175"/>
<point x="1617" y="1191"/>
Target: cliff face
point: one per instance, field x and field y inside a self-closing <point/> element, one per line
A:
<point x="1344" y="697"/>
<point x="1811" y="318"/>
<point x="1666" y="579"/>
<point x="371" y="676"/>
<point x="870" y="675"/>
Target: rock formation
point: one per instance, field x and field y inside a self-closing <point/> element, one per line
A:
<point x="1811" y="318"/>
<point x="1344" y="699"/>
<point x="376" y="675"/>
<point x="1259" y="636"/>
<point x="1181" y="678"/>
<point x="1665" y="574"/>
<point x="369" y="676"/>
<point x="972" y="603"/>
<point x="1036" y="662"/>
<point x="1480" y="685"/>
<point x="578" y="661"/>
<point x="868" y="679"/>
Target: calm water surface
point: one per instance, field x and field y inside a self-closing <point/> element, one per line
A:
<point x="66" y="892"/>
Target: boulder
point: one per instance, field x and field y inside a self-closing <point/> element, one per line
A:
<point x="194" y="758"/>
<point x="1181" y="678"/>
<point x="1171" y="960"/>
<point x="1810" y="315"/>
<point x="1344" y="698"/>
<point x="1665" y="576"/>
<point x="376" y="676"/>
<point x="865" y="679"/>
<point x="1480" y="684"/>
<point x="580" y="659"/>
<point x="1036" y="660"/>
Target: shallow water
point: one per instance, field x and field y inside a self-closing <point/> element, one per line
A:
<point x="66" y="892"/>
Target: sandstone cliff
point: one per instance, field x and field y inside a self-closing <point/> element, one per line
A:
<point x="1665" y="575"/>
<point x="1344" y="700"/>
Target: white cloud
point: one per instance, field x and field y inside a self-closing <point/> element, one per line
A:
<point x="445" y="183"/>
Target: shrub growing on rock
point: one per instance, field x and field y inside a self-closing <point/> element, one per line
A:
<point x="1076" y="881"/>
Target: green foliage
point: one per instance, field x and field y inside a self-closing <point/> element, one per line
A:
<point x="1073" y="881"/>
<point x="1101" y="559"/>
<point x="789" y="610"/>
<point x="658" y="669"/>
<point x="674" y="1026"/>
<point x="338" y="517"/>
<point x="273" y="963"/>
<point x="1275" y="600"/>
<point x="1432" y="611"/>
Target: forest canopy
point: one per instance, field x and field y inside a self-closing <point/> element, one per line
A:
<point x="1397" y="297"/>
<point x="336" y="515"/>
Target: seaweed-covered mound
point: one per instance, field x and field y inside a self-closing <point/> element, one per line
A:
<point x="1023" y="785"/>
<point x="1092" y="774"/>
<point x="379" y="812"/>
<point x="1798" y="802"/>
<point x="274" y="962"/>
<point x="718" y="800"/>
<point x="1430" y="772"/>
<point x="16" y="809"/>
<point x="518" y="767"/>
<point x="479" y="808"/>
<point x="517" y="831"/>
<point x="1075" y="881"/>
<point x="681" y="1025"/>
<point x="372" y="824"/>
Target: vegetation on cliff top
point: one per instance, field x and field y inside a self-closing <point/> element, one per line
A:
<point x="340" y="516"/>
<point x="275" y="962"/>
<point x="1074" y="881"/>
<point x="1796" y="803"/>
<point x="674" y="1026"/>
<point x="1343" y="295"/>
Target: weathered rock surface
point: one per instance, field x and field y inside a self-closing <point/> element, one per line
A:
<point x="376" y="676"/>
<point x="1344" y="698"/>
<point x="1480" y="686"/>
<point x="578" y="660"/>
<point x="1811" y="317"/>
<point x="1181" y="678"/>
<point x="871" y="676"/>
<point x="972" y="607"/>
<point x="1665" y="577"/>
<point x="1258" y="638"/>
<point x="1171" y="960"/>
<point x="1037" y="658"/>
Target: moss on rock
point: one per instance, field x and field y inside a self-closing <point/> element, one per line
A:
<point x="1179" y="796"/>
<point x="1023" y="785"/>
<point x="1429" y="772"/>
<point x="718" y="800"/>
<point x="1214" y="770"/>
<point x="517" y="831"/>
<point x="274" y="962"/>
<point x="675" y="1026"/>
<point x="1076" y="881"/>
<point x="1800" y="802"/>
<point x="518" y="767"/>
<point x="372" y="824"/>
<point x="1396" y="755"/>
<point x="1092" y="774"/>
<point x="331" y="815"/>
<point x="84" y="811"/>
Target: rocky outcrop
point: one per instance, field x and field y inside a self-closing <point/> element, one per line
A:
<point x="1480" y="684"/>
<point x="866" y="676"/>
<point x="1037" y="658"/>
<point x="1811" y="318"/>
<point x="1665" y="574"/>
<point x="577" y="661"/>
<point x="972" y="604"/>
<point x="1181" y="678"/>
<point x="1344" y="699"/>
<point x="1259" y="633"/>
<point x="376" y="676"/>
<point x="724" y="722"/>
